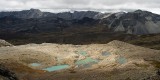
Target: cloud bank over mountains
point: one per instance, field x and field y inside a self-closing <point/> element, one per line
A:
<point x="72" y="5"/>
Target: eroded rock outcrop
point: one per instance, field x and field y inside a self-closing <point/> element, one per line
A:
<point x="4" y="43"/>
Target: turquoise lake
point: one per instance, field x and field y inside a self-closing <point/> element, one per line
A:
<point x="35" y="64"/>
<point x="57" y="67"/>
<point x="121" y="60"/>
<point x="84" y="53"/>
<point x="86" y="62"/>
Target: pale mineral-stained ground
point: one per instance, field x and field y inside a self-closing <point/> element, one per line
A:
<point x="113" y="61"/>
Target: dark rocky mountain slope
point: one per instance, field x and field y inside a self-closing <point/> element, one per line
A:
<point x="138" y="22"/>
<point x="79" y="27"/>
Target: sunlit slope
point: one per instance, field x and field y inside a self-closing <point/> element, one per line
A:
<point x="90" y="59"/>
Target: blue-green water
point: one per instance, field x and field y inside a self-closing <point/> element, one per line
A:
<point x="86" y="62"/>
<point x="57" y="67"/>
<point x="35" y="64"/>
<point x="84" y="53"/>
<point x="121" y="60"/>
<point x="105" y="53"/>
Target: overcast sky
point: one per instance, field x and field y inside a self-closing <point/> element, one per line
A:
<point x="71" y="5"/>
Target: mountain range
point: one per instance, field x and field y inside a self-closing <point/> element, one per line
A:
<point x="82" y="26"/>
<point x="36" y="13"/>
<point x="137" y="22"/>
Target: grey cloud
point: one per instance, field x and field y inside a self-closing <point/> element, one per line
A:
<point x="60" y="5"/>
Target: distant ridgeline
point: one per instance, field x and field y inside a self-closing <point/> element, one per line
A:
<point x="79" y="27"/>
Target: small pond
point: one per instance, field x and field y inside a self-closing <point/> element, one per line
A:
<point x="84" y="53"/>
<point x="35" y="64"/>
<point x="121" y="60"/>
<point x="57" y="67"/>
<point x="86" y="62"/>
<point x="105" y="53"/>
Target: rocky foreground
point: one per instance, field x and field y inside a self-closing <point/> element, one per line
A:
<point x="113" y="61"/>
